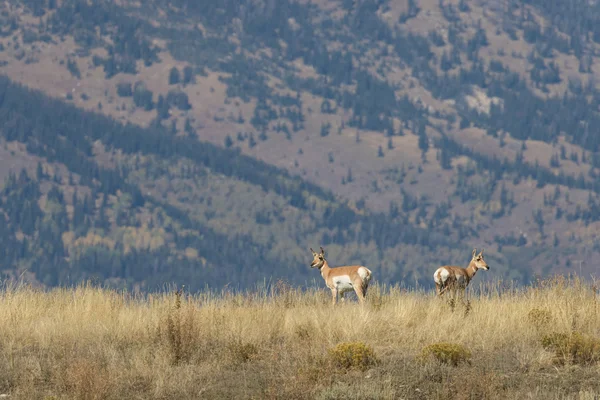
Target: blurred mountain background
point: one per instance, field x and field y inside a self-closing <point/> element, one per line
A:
<point x="211" y="143"/>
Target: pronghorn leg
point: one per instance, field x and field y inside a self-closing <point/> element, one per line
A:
<point x="453" y="295"/>
<point x="342" y="297"/>
<point x="439" y="289"/>
<point x="467" y="303"/>
<point x="360" y="291"/>
<point x="334" y="293"/>
<point x="442" y="289"/>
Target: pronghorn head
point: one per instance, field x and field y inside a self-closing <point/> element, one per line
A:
<point x="318" y="259"/>
<point x="478" y="261"/>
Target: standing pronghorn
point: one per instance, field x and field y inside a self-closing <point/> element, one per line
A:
<point x="457" y="278"/>
<point x="342" y="279"/>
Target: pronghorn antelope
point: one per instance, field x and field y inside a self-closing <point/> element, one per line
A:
<point x="457" y="278"/>
<point x="342" y="279"/>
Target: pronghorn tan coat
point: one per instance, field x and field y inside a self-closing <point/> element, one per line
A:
<point x="458" y="278"/>
<point x="342" y="279"/>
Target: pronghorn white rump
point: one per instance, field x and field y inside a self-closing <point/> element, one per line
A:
<point x="342" y="279"/>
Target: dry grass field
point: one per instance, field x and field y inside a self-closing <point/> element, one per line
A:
<point x="538" y="342"/>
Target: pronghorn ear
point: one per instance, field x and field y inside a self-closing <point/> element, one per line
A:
<point x="481" y="252"/>
<point x="312" y="251"/>
<point x="474" y="252"/>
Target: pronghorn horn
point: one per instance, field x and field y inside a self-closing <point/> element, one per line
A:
<point x="322" y="251"/>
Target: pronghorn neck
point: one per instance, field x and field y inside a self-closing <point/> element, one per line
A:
<point x="324" y="269"/>
<point x="471" y="270"/>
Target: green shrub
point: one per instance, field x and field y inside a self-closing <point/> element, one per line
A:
<point x="447" y="353"/>
<point x="353" y="355"/>
<point x="576" y="347"/>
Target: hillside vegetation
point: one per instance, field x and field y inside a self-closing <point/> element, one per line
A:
<point x="539" y="342"/>
<point x="214" y="142"/>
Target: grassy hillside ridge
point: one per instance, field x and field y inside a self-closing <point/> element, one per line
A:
<point x="457" y="117"/>
<point x="90" y="343"/>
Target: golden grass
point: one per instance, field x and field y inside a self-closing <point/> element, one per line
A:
<point x="91" y="343"/>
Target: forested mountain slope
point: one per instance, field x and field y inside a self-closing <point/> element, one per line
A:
<point x="398" y="134"/>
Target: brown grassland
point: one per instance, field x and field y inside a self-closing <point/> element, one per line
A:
<point x="536" y="342"/>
